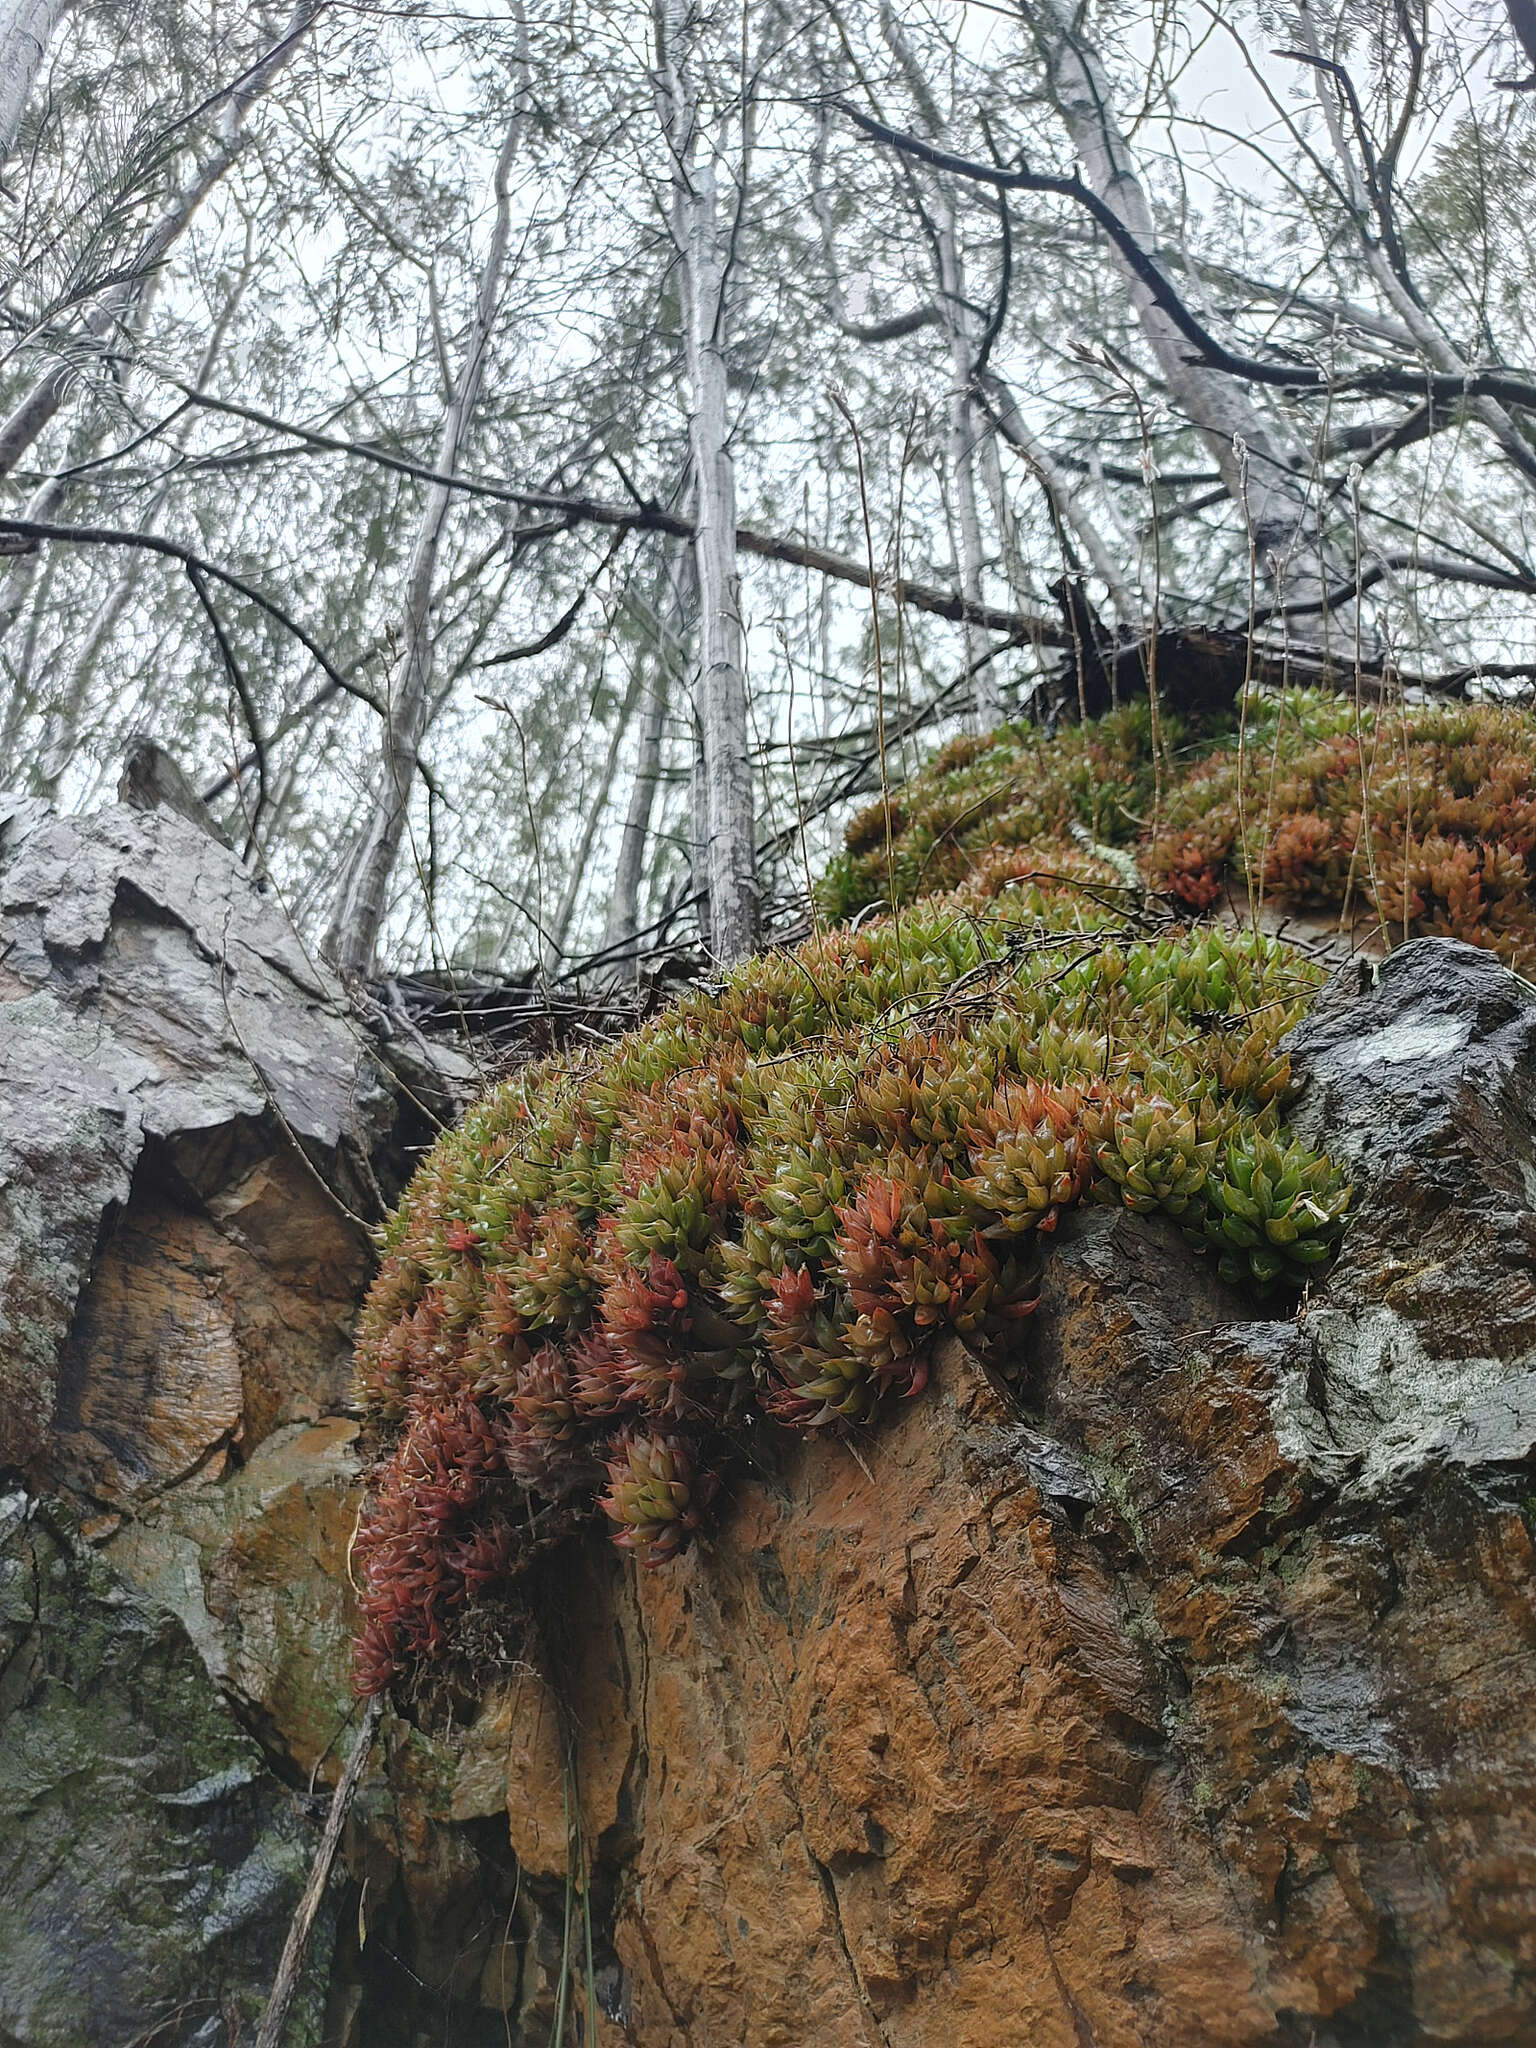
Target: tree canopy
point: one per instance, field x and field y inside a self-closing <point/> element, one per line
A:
<point x="529" y="462"/>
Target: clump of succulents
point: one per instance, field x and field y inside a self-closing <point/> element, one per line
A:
<point x="1158" y="1155"/>
<point x="1009" y="800"/>
<point x="656" y="1495"/>
<point x="1273" y="1211"/>
<point x="1419" y="819"/>
<point x="769" y="1202"/>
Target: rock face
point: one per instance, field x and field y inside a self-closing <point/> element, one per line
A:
<point x="1183" y="1696"/>
<point x="193" y="1133"/>
<point x="187" y="1115"/>
<point x="1175" y="1691"/>
<point x="149" y="1858"/>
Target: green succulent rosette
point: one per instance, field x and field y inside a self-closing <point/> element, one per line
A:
<point x="1274" y="1212"/>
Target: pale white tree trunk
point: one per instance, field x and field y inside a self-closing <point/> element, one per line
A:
<point x="698" y="823"/>
<point x="1282" y="513"/>
<point x="959" y="327"/>
<point x="26" y="29"/>
<point x="629" y="867"/>
<point x="1427" y="333"/>
<point x="65" y="715"/>
<point x="965" y="425"/>
<point x="559" y="932"/>
<point x="48" y="501"/>
<point x="62" y="730"/>
<point x="23" y="697"/>
<point x="1003" y="515"/>
<point x="701" y="239"/>
<point x="623" y="919"/>
<point x="363" y="895"/>
<point x="19" y="573"/>
<point x="40" y="405"/>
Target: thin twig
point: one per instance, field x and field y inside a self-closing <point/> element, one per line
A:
<point x="270" y="2033"/>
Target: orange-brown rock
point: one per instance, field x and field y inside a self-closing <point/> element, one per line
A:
<point x="255" y="1568"/>
<point x="1175" y="1691"/>
<point x="1178" y="1695"/>
<point x="206" y="1327"/>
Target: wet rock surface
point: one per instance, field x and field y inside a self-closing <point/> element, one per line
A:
<point x="195" y="1133"/>
<point x="190" y="1119"/>
<point x="148" y="1858"/>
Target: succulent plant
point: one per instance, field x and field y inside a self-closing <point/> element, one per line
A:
<point x="423" y="1548"/>
<point x="1159" y="1157"/>
<point x="555" y="1282"/>
<point x="898" y="1241"/>
<point x="1274" y="1211"/>
<point x="656" y="1496"/>
<point x="813" y="1375"/>
<point x="543" y="1400"/>
<point x="779" y="1191"/>
<point x="600" y="1383"/>
<point x="1029" y="1157"/>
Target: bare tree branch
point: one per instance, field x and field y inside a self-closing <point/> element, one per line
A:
<point x="1515" y="388"/>
<point x="173" y="551"/>
<point x="648" y="517"/>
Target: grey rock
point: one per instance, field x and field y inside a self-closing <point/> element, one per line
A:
<point x="149" y="1860"/>
<point x="1419" y="1074"/>
<point x="1055" y="1470"/>
<point x="153" y="780"/>
<point x="159" y="1016"/>
<point x="196" y="1128"/>
<point x="70" y="1135"/>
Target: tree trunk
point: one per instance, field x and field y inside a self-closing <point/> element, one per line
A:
<point x="629" y="867"/>
<point x="1281" y="513"/>
<point x="624" y="899"/>
<point x="362" y="898"/>
<point x="22" y="702"/>
<point x="64" y="717"/>
<point x="722" y="690"/>
<point x="61" y="731"/>
<point x="555" y="940"/>
<point x="1428" y="334"/>
<point x="698" y="823"/>
<point x="1066" y="505"/>
<point x="959" y="328"/>
<point x="26" y="29"/>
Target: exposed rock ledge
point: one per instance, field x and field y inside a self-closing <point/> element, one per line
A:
<point x="1191" y="1707"/>
<point x="1187" y="1703"/>
<point x="194" y="1130"/>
